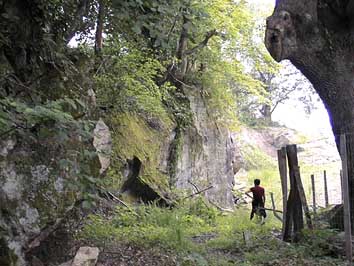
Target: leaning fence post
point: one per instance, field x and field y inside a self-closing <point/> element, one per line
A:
<point x="313" y="193"/>
<point x="294" y="206"/>
<point x="325" y="188"/>
<point x="284" y="182"/>
<point x="346" y="206"/>
<point x="303" y="197"/>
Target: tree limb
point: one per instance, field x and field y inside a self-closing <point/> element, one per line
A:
<point x="285" y="97"/>
<point x="113" y="197"/>
<point x="203" y="43"/>
<point x="273" y="206"/>
<point x="220" y="208"/>
<point x="200" y="191"/>
<point x="194" y="185"/>
<point x="183" y="39"/>
<point x="172" y="28"/>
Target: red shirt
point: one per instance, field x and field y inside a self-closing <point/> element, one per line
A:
<point x="258" y="193"/>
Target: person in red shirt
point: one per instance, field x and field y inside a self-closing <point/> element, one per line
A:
<point x="258" y="199"/>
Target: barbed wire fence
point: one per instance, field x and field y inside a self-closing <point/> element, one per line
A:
<point x="316" y="192"/>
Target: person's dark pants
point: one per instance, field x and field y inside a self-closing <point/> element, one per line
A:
<point x="255" y="207"/>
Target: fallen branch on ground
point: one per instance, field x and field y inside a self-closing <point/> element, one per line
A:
<point x="211" y="202"/>
<point x="273" y="205"/>
<point x="220" y="208"/>
<point x="198" y="192"/>
<point x="268" y="209"/>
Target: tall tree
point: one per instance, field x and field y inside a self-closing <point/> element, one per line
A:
<point x="317" y="36"/>
<point x="284" y="85"/>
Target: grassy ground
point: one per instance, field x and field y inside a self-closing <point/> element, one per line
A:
<point x="194" y="233"/>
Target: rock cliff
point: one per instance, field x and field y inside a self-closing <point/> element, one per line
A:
<point x="38" y="186"/>
<point x="207" y="155"/>
<point x="142" y="158"/>
<point x="153" y="158"/>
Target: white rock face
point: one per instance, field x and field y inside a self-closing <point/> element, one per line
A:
<point x="7" y="146"/>
<point x="103" y="143"/>
<point x="86" y="256"/>
<point x="208" y="156"/>
<point x="29" y="219"/>
<point x="11" y="184"/>
<point x="40" y="173"/>
<point x="32" y="190"/>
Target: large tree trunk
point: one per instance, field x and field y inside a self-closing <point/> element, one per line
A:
<point x="266" y="112"/>
<point x="317" y="37"/>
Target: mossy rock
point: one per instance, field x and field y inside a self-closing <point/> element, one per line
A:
<point x="134" y="137"/>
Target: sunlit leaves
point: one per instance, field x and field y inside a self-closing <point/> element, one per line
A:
<point x="130" y="83"/>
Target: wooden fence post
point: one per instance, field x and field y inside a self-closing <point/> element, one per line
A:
<point x="313" y="193"/>
<point x="284" y="182"/>
<point x="294" y="202"/>
<point x="346" y="207"/>
<point x="325" y="188"/>
<point x="303" y="197"/>
<point x="288" y="223"/>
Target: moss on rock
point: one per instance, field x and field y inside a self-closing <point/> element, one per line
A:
<point x="134" y="137"/>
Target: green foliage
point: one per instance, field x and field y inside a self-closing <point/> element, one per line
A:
<point x="152" y="226"/>
<point x="318" y="242"/>
<point x="129" y="83"/>
<point x="181" y="230"/>
<point x="256" y="158"/>
<point x="216" y="69"/>
<point x="134" y="137"/>
<point x="224" y="77"/>
<point x="23" y="116"/>
<point x="53" y="122"/>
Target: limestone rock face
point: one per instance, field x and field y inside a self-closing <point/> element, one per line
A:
<point x="208" y="155"/>
<point x="102" y="141"/>
<point x="86" y="256"/>
<point x="155" y="156"/>
<point x="34" y="191"/>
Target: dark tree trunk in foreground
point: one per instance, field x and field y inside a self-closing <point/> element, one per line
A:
<point x="317" y="36"/>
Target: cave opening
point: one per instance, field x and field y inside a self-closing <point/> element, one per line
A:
<point x="135" y="187"/>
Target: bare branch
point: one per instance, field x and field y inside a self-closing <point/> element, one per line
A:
<point x="172" y="28"/>
<point x="282" y="99"/>
<point x="203" y="43"/>
<point x="199" y="192"/>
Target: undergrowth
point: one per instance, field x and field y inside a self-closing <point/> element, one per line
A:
<point x="201" y="235"/>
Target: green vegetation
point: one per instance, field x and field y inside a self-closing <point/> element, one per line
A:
<point x="255" y="158"/>
<point x="144" y="71"/>
<point x="156" y="54"/>
<point x="133" y="137"/>
<point x="201" y="235"/>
